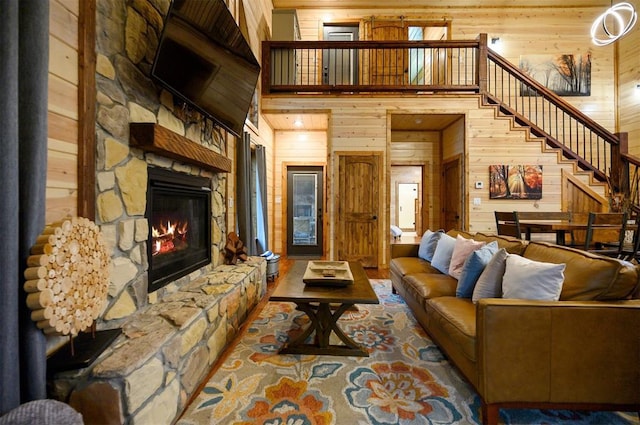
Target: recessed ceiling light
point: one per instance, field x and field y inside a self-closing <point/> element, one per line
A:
<point x="298" y="123"/>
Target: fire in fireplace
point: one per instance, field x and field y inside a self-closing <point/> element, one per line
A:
<point x="179" y="215"/>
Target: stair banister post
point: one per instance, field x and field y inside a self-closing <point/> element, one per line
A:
<point x="620" y="168"/>
<point x="481" y="65"/>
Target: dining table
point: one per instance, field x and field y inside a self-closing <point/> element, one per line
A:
<point x="561" y="227"/>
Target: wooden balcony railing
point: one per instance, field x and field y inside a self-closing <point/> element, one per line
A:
<point x="462" y="66"/>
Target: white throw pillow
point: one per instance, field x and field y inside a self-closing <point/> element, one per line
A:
<point x="462" y="249"/>
<point x="489" y="284"/>
<point x="444" y="251"/>
<point x="532" y="280"/>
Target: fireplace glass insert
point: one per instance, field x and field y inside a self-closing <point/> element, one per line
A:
<point x="179" y="216"/>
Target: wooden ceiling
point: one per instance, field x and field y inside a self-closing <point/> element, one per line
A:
<point x="422" y="122"/>
<point x="297" y="121"/>
<point x="412" y="4"/>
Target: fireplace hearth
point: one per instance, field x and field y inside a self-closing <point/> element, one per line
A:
<point x="179" y="215"/>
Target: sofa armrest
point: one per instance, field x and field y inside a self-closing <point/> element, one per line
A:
<point x="558" y="352"/>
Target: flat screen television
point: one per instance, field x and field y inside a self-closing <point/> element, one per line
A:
<point x="204" y="59"/>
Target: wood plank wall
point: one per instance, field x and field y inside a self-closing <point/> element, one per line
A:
<point x="62" y="179"/>
<point x="628" y="55"/>
<point x="533" y="31"/>
<point x="358" y="125"/>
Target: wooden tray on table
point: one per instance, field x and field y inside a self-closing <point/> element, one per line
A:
<point x="328" y="273"/>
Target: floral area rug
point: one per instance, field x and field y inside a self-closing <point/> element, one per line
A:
<point x="406" y="379"/>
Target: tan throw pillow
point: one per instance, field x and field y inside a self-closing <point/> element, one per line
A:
<point x="462" y="249"/>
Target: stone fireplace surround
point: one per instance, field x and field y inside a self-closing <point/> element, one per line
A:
<point x="167" y="346"/>
<point x="173" y="335"/>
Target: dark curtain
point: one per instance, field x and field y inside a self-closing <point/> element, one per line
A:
<point x="243" y="192"/>
<point x="262" y="236"/>
<point x="24" y="61"/>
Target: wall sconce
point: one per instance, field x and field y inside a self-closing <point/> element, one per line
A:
<point x="613" y="24"/>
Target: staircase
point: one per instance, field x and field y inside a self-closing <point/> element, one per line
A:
<point x="562" y="127"/>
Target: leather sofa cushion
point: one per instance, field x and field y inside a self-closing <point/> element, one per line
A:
<point x="424" y="286"/>
<point x="587" y="276"/>
<point x="510" y="244"/>
<point x="456" y="317"/>
<point x="409" y="265"/>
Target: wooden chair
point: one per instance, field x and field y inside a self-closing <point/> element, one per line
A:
<point x="507" y="223"/>
<point x="542" y="216"/>
<point x="608" y="242"/>
<point x="631" y="250"/>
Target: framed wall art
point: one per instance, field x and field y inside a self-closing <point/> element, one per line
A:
<point x="565" y="74"/>
<point x="515" y="182"/>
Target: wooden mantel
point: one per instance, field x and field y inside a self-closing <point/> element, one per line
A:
<point x="152" y="137"/>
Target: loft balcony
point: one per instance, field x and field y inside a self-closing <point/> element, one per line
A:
<point x="371" y="66"/>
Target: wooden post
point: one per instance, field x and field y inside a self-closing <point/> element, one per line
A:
<point x="266" y="68"/>
<point x="483" y="60"/>
<point x="619" y="173"/>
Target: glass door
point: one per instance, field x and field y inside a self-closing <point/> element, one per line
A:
<point x="304" y="211"/>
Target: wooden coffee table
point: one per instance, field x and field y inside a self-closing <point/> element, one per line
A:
<point x="316" y="302"/>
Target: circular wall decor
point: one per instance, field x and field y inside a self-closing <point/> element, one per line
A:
<point x="67" y="276"/>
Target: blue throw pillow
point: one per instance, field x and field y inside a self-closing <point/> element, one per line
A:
<point x="473" y="267"/>
<point x="444" y="250"/>
<point x="428" y="244"/>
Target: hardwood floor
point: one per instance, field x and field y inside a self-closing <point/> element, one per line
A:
<point x="284" y="265"/>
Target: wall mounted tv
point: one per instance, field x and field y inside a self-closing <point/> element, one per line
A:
<point x="204" y="59"/>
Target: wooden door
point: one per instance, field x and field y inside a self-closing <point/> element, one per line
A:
<point x="452" y="210"/>
<point x="358" y="208"/>
<point x="389" y="66"/>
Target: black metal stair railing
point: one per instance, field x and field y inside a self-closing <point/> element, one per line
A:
<point x="549" y="116"/>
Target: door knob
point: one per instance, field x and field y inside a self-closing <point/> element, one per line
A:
<point x="375" y="217"/>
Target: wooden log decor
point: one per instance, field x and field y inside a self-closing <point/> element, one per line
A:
<point x="67" y="276"/>
<point x="234" y="249"/>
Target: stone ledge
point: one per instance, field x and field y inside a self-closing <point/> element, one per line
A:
<point x="166" y="349"/>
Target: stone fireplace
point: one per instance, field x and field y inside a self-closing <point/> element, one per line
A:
<point x="178" y="212"/>
<point x="174" y="325"/>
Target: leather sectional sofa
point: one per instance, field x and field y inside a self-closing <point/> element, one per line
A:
<point x="580" y="352"/>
